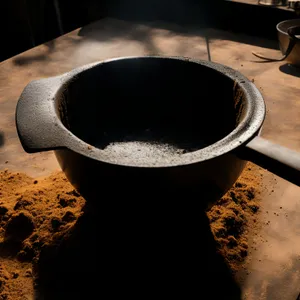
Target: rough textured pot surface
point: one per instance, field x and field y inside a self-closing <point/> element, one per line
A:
<point x="143" y="124"/>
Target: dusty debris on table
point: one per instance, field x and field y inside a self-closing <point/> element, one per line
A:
<point x="230" y="217"/>
<point x="38" y="213"/>
<point x="33" y="214"/>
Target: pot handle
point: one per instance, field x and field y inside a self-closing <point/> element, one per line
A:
<point x="277" y="159"/>
<point x="38" y="126"/>
<point x="293" y="32"/>
<point x="293" y="39"/>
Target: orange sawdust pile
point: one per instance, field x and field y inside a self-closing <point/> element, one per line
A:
<point x="33" y="214"/>
<point x="232" y="216"/>
<point x="37" y="213"/>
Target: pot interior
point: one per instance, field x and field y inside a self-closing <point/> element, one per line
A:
<point x="285" y="25"/>
<point x="142" y="108"/>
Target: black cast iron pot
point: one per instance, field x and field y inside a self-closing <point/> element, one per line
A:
<point x="142" y="125"/>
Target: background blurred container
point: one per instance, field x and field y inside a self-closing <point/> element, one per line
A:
<point x="270" y="2"/>
<point x="284" y="40"/>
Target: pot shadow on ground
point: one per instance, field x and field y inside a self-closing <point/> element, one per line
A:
<point x="130" y="246"/>
<point x="290" y="70"/>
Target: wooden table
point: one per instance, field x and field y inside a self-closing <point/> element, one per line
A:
<point x="275" y="266"/>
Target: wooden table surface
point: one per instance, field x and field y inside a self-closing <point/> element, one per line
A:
<point x="274" y="267"/>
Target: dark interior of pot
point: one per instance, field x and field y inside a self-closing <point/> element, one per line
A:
<point x="150" y="107"/>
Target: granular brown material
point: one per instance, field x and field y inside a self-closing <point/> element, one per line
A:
<point x="234" y="213"/>
<point x="36" y="214"/>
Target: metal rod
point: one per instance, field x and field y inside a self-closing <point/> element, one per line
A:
<point x="207" y="47"/>
<point x="277" y="159"/>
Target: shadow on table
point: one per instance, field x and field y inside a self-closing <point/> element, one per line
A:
<point x="142" y="31"/>
<point x="1" y="138"/>
<point x="24" y="59"/>
<point x="128" y="246"/>
<point x="187" y="17"/>
<point x="290" y="70"/>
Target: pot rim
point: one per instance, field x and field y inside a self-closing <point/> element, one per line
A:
<point x="247" y="129"/>
<point x="284" y="22"/>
